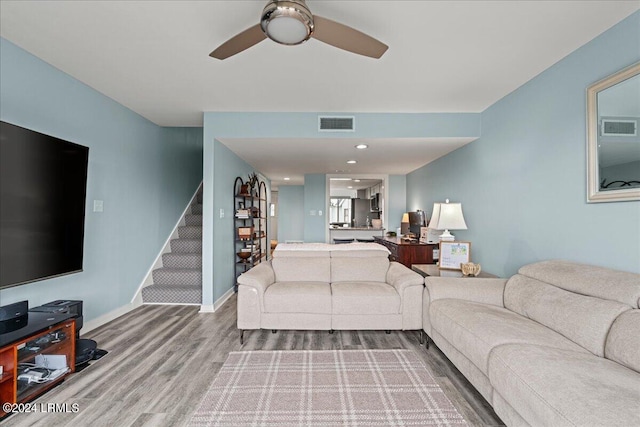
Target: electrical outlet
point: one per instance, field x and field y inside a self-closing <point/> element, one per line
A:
<point x="98" y="206"/>
<point x="319" y="213"/>
<point x="221" y="213"/>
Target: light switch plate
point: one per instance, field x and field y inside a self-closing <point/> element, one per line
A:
<point x="98" y="205"/>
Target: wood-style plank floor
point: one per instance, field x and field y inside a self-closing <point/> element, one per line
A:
<point x="162" y="360"/>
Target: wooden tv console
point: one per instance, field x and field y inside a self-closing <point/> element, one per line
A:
<point x="39" y="334"/>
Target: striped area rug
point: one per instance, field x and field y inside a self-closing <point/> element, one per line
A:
<point x="325" y="388"/>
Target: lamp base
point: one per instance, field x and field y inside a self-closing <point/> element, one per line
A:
<point x="446" y="236"/>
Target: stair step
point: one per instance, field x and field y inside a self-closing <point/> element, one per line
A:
<point x="186" y="246"/>
<point x="191" y="219"/>
<point x="186" y="276"/>
<point x="172" y="294"/>
<point x="196" y="209"/>
<point x="190" y="231"/>
<point x="178" y="260"/>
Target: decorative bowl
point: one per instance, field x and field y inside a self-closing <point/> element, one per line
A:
<point x="244" y="255"/>
<point x="470" y="269"/>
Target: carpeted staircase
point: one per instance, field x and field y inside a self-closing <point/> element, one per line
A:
<point x="179" y="280"/>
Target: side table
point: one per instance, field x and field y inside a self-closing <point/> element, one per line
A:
<point x="433" y="270"/>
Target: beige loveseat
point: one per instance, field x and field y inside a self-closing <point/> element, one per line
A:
<point x="557" y="344"/>
<point x="330" y="287"/>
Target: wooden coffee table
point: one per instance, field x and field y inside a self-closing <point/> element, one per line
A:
<point x="433" y="270"/>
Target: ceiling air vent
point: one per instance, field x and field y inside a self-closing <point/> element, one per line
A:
<point x="336" y="124"/>
<point x="612" y="127"/>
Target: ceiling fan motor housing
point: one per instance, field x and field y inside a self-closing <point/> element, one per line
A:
<point x="287" y="22"/>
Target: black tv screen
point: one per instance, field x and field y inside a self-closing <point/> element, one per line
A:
<point x="43" y="183"/>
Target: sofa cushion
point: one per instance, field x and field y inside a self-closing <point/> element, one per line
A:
<point x="302" y="269"/>
<point x="589" y="280"/>
<point x="559" y="387"/>
<point x="298" y="297"/>
<point x="475" y="329"/>
<point x="623" y="341"/>
<point x="583" y="319"/>
<point x="360" y="269"/>
<point x="364" y="298"/>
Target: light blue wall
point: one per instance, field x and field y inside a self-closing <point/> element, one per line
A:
<point x="290" y="213"/>
<point x="145" y="174"/>
<point x="397" y="201"/>
<point x="315" y="202"/>
<point x="523" y="183"/>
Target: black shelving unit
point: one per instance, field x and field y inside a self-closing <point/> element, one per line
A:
<point x="250" y="224"/>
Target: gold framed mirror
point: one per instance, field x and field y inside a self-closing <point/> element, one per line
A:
<point x="613" y="137"/>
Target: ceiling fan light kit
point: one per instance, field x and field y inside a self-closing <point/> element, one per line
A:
<point x="287" y="22"/>
<point x="290" y="22"/>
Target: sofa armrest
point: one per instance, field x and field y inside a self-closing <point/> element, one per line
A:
<point x="259" y="277"/>
<point x="476" y="289"/>
<point x="401" y="277"/>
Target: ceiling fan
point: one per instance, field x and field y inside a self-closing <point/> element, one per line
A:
<point x="290" y="22"/>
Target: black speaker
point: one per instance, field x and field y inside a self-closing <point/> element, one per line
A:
<point x="64" y="306"/>
<point x="11" y="311"/>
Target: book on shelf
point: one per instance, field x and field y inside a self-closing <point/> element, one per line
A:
<point x="243" y="213"/>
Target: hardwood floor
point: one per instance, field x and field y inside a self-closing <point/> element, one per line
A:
<point x="162" y="360"/>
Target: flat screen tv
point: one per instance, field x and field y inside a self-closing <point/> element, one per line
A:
<point x="43" y="182"/>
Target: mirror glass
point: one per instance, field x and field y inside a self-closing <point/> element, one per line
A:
<point x="613" y="107"/>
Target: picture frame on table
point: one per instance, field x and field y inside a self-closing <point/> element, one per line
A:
<point x="454" y="253"/>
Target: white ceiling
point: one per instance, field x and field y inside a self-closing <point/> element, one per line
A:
<point x="444" y="56"/>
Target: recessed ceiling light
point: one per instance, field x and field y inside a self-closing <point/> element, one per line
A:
<point x="356" y="180"/>
<point x="349" y="187"/>
<point x="362" y="146"/>
<point x="351" y="162"/>
<point x="287" y="178"/>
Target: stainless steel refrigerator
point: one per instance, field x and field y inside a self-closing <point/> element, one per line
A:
<point x="360" y="211"/>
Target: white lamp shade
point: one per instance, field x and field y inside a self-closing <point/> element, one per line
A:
<point x="435" y="216"/>
<point x="447" y="216"/>
<point x="405" y="217"/>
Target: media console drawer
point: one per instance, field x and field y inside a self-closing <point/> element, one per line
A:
<point x="407" y="253"/>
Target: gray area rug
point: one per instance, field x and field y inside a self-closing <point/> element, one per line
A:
<point x="325" y="388"/>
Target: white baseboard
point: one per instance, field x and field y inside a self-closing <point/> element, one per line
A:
<point x="121" y="311"/>
<point x="209" y="308"/>
<point x="108" y="317"/>
<point x="223" y="299"/>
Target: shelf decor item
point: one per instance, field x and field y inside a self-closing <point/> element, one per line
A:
<point x="470" y="269"/>
<point x="244" y="256"/>
<point x="245" y="233"/>
<point x="452" y="254"/>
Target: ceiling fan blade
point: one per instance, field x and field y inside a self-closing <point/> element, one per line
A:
<point x="347" y="38"/>
<point x="239" y="42"/>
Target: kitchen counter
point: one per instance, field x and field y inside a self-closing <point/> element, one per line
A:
<point x="363" y="233"/>
<point x="356" y="228"/>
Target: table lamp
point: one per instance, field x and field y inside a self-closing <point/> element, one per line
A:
<point x="447" y="216"/>
<point x="404" y="224"/>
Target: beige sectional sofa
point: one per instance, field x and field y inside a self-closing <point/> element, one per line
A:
<point x="557" y="344"/>
<point x="330" y="287"/>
